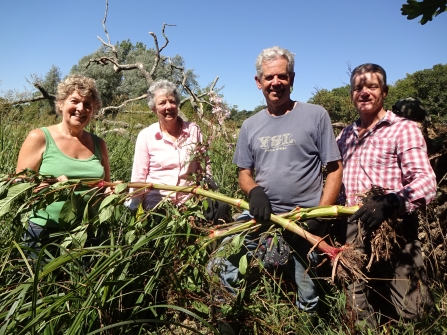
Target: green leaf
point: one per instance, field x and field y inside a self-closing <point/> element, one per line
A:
<point x="243" y="264"/>
<point x="205" y="204"/>
<point x="236" y="241"/>
<point x="140" y="212"/>
<point x="67" y="215"/>
<point x="80" y="238"/>
<point x="200" y="306"/>
<point x="120" y="188"/>
<point x="4" y="188"/>
<point x="105" y="210"/>
<point x="15" y="193"/>
<point x="105" y="214"/>
<point x="130" y="236"/>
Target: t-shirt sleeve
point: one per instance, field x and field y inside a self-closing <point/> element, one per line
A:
<point x="243" y="157"/>
<point x="328" y="148"/>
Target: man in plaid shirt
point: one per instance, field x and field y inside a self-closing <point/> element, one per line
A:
<point x="383" y="149"/>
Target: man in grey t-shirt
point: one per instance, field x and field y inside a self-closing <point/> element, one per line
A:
<point x="286" y="144"/>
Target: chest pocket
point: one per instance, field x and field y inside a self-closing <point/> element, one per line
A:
<point x="381" y="152"/>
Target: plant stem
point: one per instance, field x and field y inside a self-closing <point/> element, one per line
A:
<point x="284" y="221"/>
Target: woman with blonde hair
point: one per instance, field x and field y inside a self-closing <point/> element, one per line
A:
<point x="65" y="150"/>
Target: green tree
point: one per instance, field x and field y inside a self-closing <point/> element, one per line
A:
<point x="403" y="88"/>
<point x="115" y="87"/>
<point x="52" y="79"/>
<point x="430" y="86"/>
<point x="107" y="80"/>
<point x="133" y="83"/>
<point x="427" y="8"/>
<point x="259" y="108"/>
<point x="49" y="84"/>
<point x="337" y="102"/>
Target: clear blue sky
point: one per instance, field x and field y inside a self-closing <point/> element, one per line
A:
<point x="223" y="38"/>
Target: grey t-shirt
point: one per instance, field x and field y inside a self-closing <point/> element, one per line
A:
<point x="287" y="153"/>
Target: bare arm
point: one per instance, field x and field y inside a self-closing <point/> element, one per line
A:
<point x="105" y="159"/>
<point x="246" y="180"/>
<point x="333" y="183"/>
<point x="30" y="155"/>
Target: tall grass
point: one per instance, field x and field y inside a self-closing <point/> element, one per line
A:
<point x="117" y="272"/>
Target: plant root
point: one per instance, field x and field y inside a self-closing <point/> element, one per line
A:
<point x="347" y="264"/>
<point x="385" y="238"/>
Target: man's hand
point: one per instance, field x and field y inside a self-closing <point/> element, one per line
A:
<point x="260" y="206"/>
<point x="376" y="210"/>
<point x="316" y="227"/>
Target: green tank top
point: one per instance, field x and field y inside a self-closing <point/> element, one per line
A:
<point x="56" y="163"/>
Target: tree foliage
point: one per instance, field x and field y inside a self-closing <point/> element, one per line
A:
<point x="117" y="86"/>
<point x="337" y="102"/>
<point x="430" y="86"/>
<point x="52" y="79"/>
<point x="427" y="8"/>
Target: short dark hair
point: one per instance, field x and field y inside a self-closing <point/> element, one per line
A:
<point x="369" y="67"/>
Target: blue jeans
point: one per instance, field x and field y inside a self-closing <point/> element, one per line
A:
<point x="229" y="275"/>
<point x="35" y="236"/>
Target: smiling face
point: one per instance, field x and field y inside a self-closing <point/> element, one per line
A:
<point x="368" y="93"/>
<point x="76" y="110"/>
<point x="166" y="108"/>
<point x="275" y="82"/>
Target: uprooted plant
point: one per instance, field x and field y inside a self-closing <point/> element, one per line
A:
<point x="387" y="236"/>
<point x="345" y="259"/>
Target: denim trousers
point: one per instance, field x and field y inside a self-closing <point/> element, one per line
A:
<point x="229" y="275"/>
<point x="35" y="236"/>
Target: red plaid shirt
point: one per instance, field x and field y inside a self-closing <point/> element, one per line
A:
<point x="392" y="155"/>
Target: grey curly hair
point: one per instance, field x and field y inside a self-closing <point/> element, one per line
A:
<point x="270" y="54"/>
<point x="166" y="87"/>
<point x="86" y="87"/>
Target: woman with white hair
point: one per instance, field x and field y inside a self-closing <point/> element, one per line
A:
<point x="170" y="152"/>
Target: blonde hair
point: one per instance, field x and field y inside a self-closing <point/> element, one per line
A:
<point x="86" y="87"/>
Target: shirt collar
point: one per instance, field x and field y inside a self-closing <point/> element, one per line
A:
<point x="389" y="118"/>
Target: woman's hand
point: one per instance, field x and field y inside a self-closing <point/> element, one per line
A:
<point x="43" y="185"/>
<point x="110" y="189"/>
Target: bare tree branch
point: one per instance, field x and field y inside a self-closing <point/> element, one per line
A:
<point x="104" y="21"/>
<point x="197" y="101"/>
<point x="158" y="56"/>
<point x="105" y="110"/>
<point x="45" y="95"/>
<point x="163" y="32"/>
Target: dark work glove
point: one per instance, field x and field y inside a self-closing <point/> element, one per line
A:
<point x="260" y="206"/>
<point x="316" y="227"/>
<point x="376" y="210"/>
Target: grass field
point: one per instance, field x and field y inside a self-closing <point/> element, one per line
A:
<point x="112" y="272"/>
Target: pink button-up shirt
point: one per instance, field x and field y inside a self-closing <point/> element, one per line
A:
<point x="393" y="155"/>
<point x="160" y="161"/>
